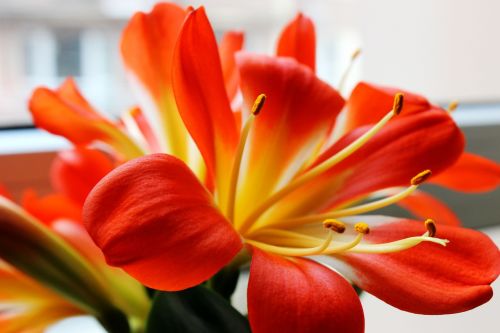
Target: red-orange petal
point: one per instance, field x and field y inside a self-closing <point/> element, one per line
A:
<point x="296" y="117"/>
<point x="471" y="173"/>
<point x="154" y="219"/>
<point x="298" y="40"/>
<point x="5" y="192"/>
<point x="65" y="112"/>
<point x="231" y="42"/>
<point x="368" y="103"/>
<point x="299" y="295"/>
<point x="75" y="172"/>
<point x="443" y="280"/>
<point x="147" y="45"/>
<point x="424" y="206"/>
<point x="201" y="95"/>
<point x="52" y="207"/>
<point x="405" y="147"/>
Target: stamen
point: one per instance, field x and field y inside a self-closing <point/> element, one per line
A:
<point x="335" y="225"/>
<point x="258" y="104"/>
<point x="452" y="106"/>
<point x="421" y="177"/>
<point x="324" y="166"/>
<point x="398" y="103"/>
<point x="362" y="228"/>
<point x="355" y="55"/>
<point x="292" y="251"/>
<point x="398" y="245"/>
<point x="361" y="209"/>
<point x="431" y="227"/>
<point x="235" y="173"/>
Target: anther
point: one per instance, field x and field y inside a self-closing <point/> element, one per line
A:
<point x="421" y="177"/>
<point x="452" y="106"/>
<point x="355" y="54"/>
<point x="334" y="225"/>
<point x="398" y="103"/>
<point x="258" y="104"/>
<point x="430" y="225"/>
<point x="362" y="228"/>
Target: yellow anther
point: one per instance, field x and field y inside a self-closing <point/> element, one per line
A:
<point x="421" y="177"/>
<point x="362" y="228"/>
<point x="334" y="225"/>
<point x="355" y="54"/>
<point x="258" y="104"/>
<point x="398" y="103"/>
<point x="430" y="225"/>
<point x="452" y="106"/>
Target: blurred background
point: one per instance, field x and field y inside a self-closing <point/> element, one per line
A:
<point x="444" y="49"/>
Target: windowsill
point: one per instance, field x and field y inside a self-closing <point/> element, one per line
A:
<point x="32" y="140"/>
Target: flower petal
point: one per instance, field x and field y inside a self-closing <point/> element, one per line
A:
<point x="368" y="103"/>
<point x="231" y="43"/>
<point x="147" y="48"/>
<point x="298" y="113"/>
<point x="471" y="173"/>
<point x="402" y="149"/>
<point x="298" y="40"/>
<point x="300" y="295"/>
<point x="201" y="96"/>
<point x="154" y="219"/>
<point x="75" y="172"/>
<point x="51" y="207"/>
<point x="424" y="205"/>
<point x="65" y="112"/>
<point x="429" y="278"/>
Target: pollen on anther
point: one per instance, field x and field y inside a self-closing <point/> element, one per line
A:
<point x="334" y="225"/>
<point x="430" y="225"/>
<point x="355" y="54"/>
<point x="421" y="177"/>
<point x="362" y="228"/>
<point x="398" y="103"/>
<point x="258" y="104"/>
<point x="452" y="106"/>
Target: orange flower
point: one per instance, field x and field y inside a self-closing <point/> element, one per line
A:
<point x="277" y="189"/>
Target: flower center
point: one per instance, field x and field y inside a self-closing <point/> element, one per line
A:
<point x="290" y="237"/>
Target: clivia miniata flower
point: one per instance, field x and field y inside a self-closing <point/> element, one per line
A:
<point x="273" y="186"/>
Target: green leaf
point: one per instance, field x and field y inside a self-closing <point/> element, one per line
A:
<point x="197" y="310"/>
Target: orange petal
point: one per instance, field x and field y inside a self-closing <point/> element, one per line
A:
<point x="429" y="278"/>
<point x="147" y="49"/>
<point x="154" y="219"/>
<point x="296" y="117"/>
<point x="368" y="103"/>
<point x="231" y="43"/>
<point x="424" y="205"/>
<point x="299" y="295"/>
<point x="65" y="112"/>
<point x="201" y="96"/>
<point x="75" y="172"/>
<point x="471" y="173"/>
<point x="298" y="40"/>
<point x="51" y="207"/>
